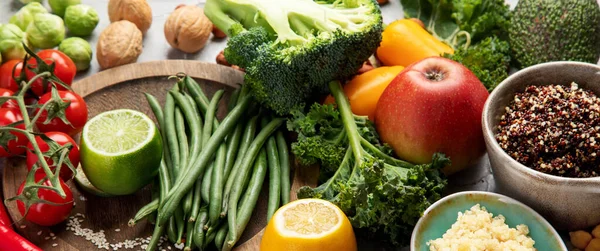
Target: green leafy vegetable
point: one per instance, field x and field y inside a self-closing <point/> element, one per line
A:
<point x="476" y="29"/>
<point x="376" y="191"/>
<point x="489" y="60"/>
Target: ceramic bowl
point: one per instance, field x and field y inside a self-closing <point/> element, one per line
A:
<point x="567" y="203"/>
<point x="440" y="216"/>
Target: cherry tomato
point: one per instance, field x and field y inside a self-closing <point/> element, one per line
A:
<point x="61" y="138"/>
<point x="9" y="103"/>
<point x="15" y="146"/>
<point x="47" y="214"/>
<point x="76" y="113"/>
<point x="64" y="70"/>
<point x="6" y="77"/>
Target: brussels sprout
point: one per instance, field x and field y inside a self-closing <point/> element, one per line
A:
<point x="81" y="20"/>
<point x="46" y="31"/>
<point x="11" y="42"/>
<point x="59" y="6"/>
<point x="24" y="16"/>
<point x="78" y="50"/>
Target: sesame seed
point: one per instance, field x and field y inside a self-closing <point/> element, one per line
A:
<point x="39" y="233"/>
<point x="22" y="226"/>
<point x="118" y="230"/>
<point x="54" y="245"/>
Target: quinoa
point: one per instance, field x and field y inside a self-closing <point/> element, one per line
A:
<point x="477" y="229"/>
<point x="553" y="129"/>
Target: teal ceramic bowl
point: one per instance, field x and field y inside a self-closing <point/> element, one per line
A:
<point x="440" y="216"/>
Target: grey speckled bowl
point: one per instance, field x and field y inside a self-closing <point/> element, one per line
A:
<point x="567" y="203"/>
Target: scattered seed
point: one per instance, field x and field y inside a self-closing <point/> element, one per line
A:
<point x="54" y="245"/>
<point x="39" y="233"/>
<point x="22" y="226"/>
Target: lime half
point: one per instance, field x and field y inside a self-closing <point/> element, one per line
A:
<point x="86" y="186"/>
<point x="120" y="151"/>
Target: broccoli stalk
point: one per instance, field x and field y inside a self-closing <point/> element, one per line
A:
<point x="291" y="49"/>
<point x="376" y="191"/>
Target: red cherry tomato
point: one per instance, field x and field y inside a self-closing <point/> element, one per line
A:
<point x="47" y="214"/>
<point x="76" y="113"/>
<point x="15" y="146"/>
<point x="64" y="70"/>
<point x="61" y="138"/>
<point x="10" y="103"/>
<point x="6" y="74"/>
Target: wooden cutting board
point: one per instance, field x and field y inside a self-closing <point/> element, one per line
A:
<point x="124" y="87"/>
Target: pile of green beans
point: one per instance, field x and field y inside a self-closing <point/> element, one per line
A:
<point x="212" y="171"/>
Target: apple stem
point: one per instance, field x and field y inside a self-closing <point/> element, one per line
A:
<point x="435" y="75"/>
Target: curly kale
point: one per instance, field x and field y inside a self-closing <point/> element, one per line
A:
<point x="489" y="60"/>
<point x="376" y="191"/>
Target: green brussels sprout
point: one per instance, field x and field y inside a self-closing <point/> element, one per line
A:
<point x="24" y="16"/>
<point x="79" y="50"/>
<point x="60" y="6"/>
<point x="11" y="42"/>
<point x="46" y="31"/>
<point x="81" y="20"/>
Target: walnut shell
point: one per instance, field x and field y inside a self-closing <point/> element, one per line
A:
<point x="135" y="11"/>
<point x="188" y="29"/>
<point x="120" y="43"/>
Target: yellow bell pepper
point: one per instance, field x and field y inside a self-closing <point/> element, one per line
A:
<point x="364" y="90"/>
<point x="405" y="42"/>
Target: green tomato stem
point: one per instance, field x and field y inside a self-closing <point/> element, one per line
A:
<point x="28" y="133"/>
<point x="39" y="113"/>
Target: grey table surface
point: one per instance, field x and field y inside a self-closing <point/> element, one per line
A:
<point x="478" y="177"/>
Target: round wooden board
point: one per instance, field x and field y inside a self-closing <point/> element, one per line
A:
<point x="124" y="87"/>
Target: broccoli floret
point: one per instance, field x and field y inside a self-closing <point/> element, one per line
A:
<point x="375" y="190"/>
<point x="291" y="49"/>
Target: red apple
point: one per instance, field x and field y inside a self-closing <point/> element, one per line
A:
<point x="434" y="105"/>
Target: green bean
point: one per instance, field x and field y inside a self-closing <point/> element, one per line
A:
<point x="197" y="201"/>
<point x="220" y="237"/>
<point x="143" y="212"/>
<point x="158" y="113"/>
<point x="284" y="158"/>
<point x="181" y="138"/>
<point x="210" y="236"/>
<point x="244" y="171"/>
<point x="184" y="155"/>
<point x="189" y="178"/>
<point x="193" y="123"/>
<point x="206" y="183"/>
<point x="249" y="133"/>
<point x="171" y="134"/>
<point x="216" y="185"/>
<point x="210" y="116"/>
<point x="233" y="98"/>
<point x="274" y="176"/>
<point x="197" y="93"/>
<point x="179" y="223"/>
<point x="199" y="227"/>
<point x="153" y="244"/>
<point x="233" y="144"/>
<point x="171" y="230"/>
<point x="189" y="240"/>
<point x="243" y="217"/>
<point x="155" y="195"/>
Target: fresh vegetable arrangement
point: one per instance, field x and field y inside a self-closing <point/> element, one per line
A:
<point x="387" y="111"/>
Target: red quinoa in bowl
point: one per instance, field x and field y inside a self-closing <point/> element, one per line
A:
<point x="553" y="129"/>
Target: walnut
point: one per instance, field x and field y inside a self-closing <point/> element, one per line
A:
<point x="120" y="43"/>
<point x="135" y="11"/>
<point x="188" y="29"/>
